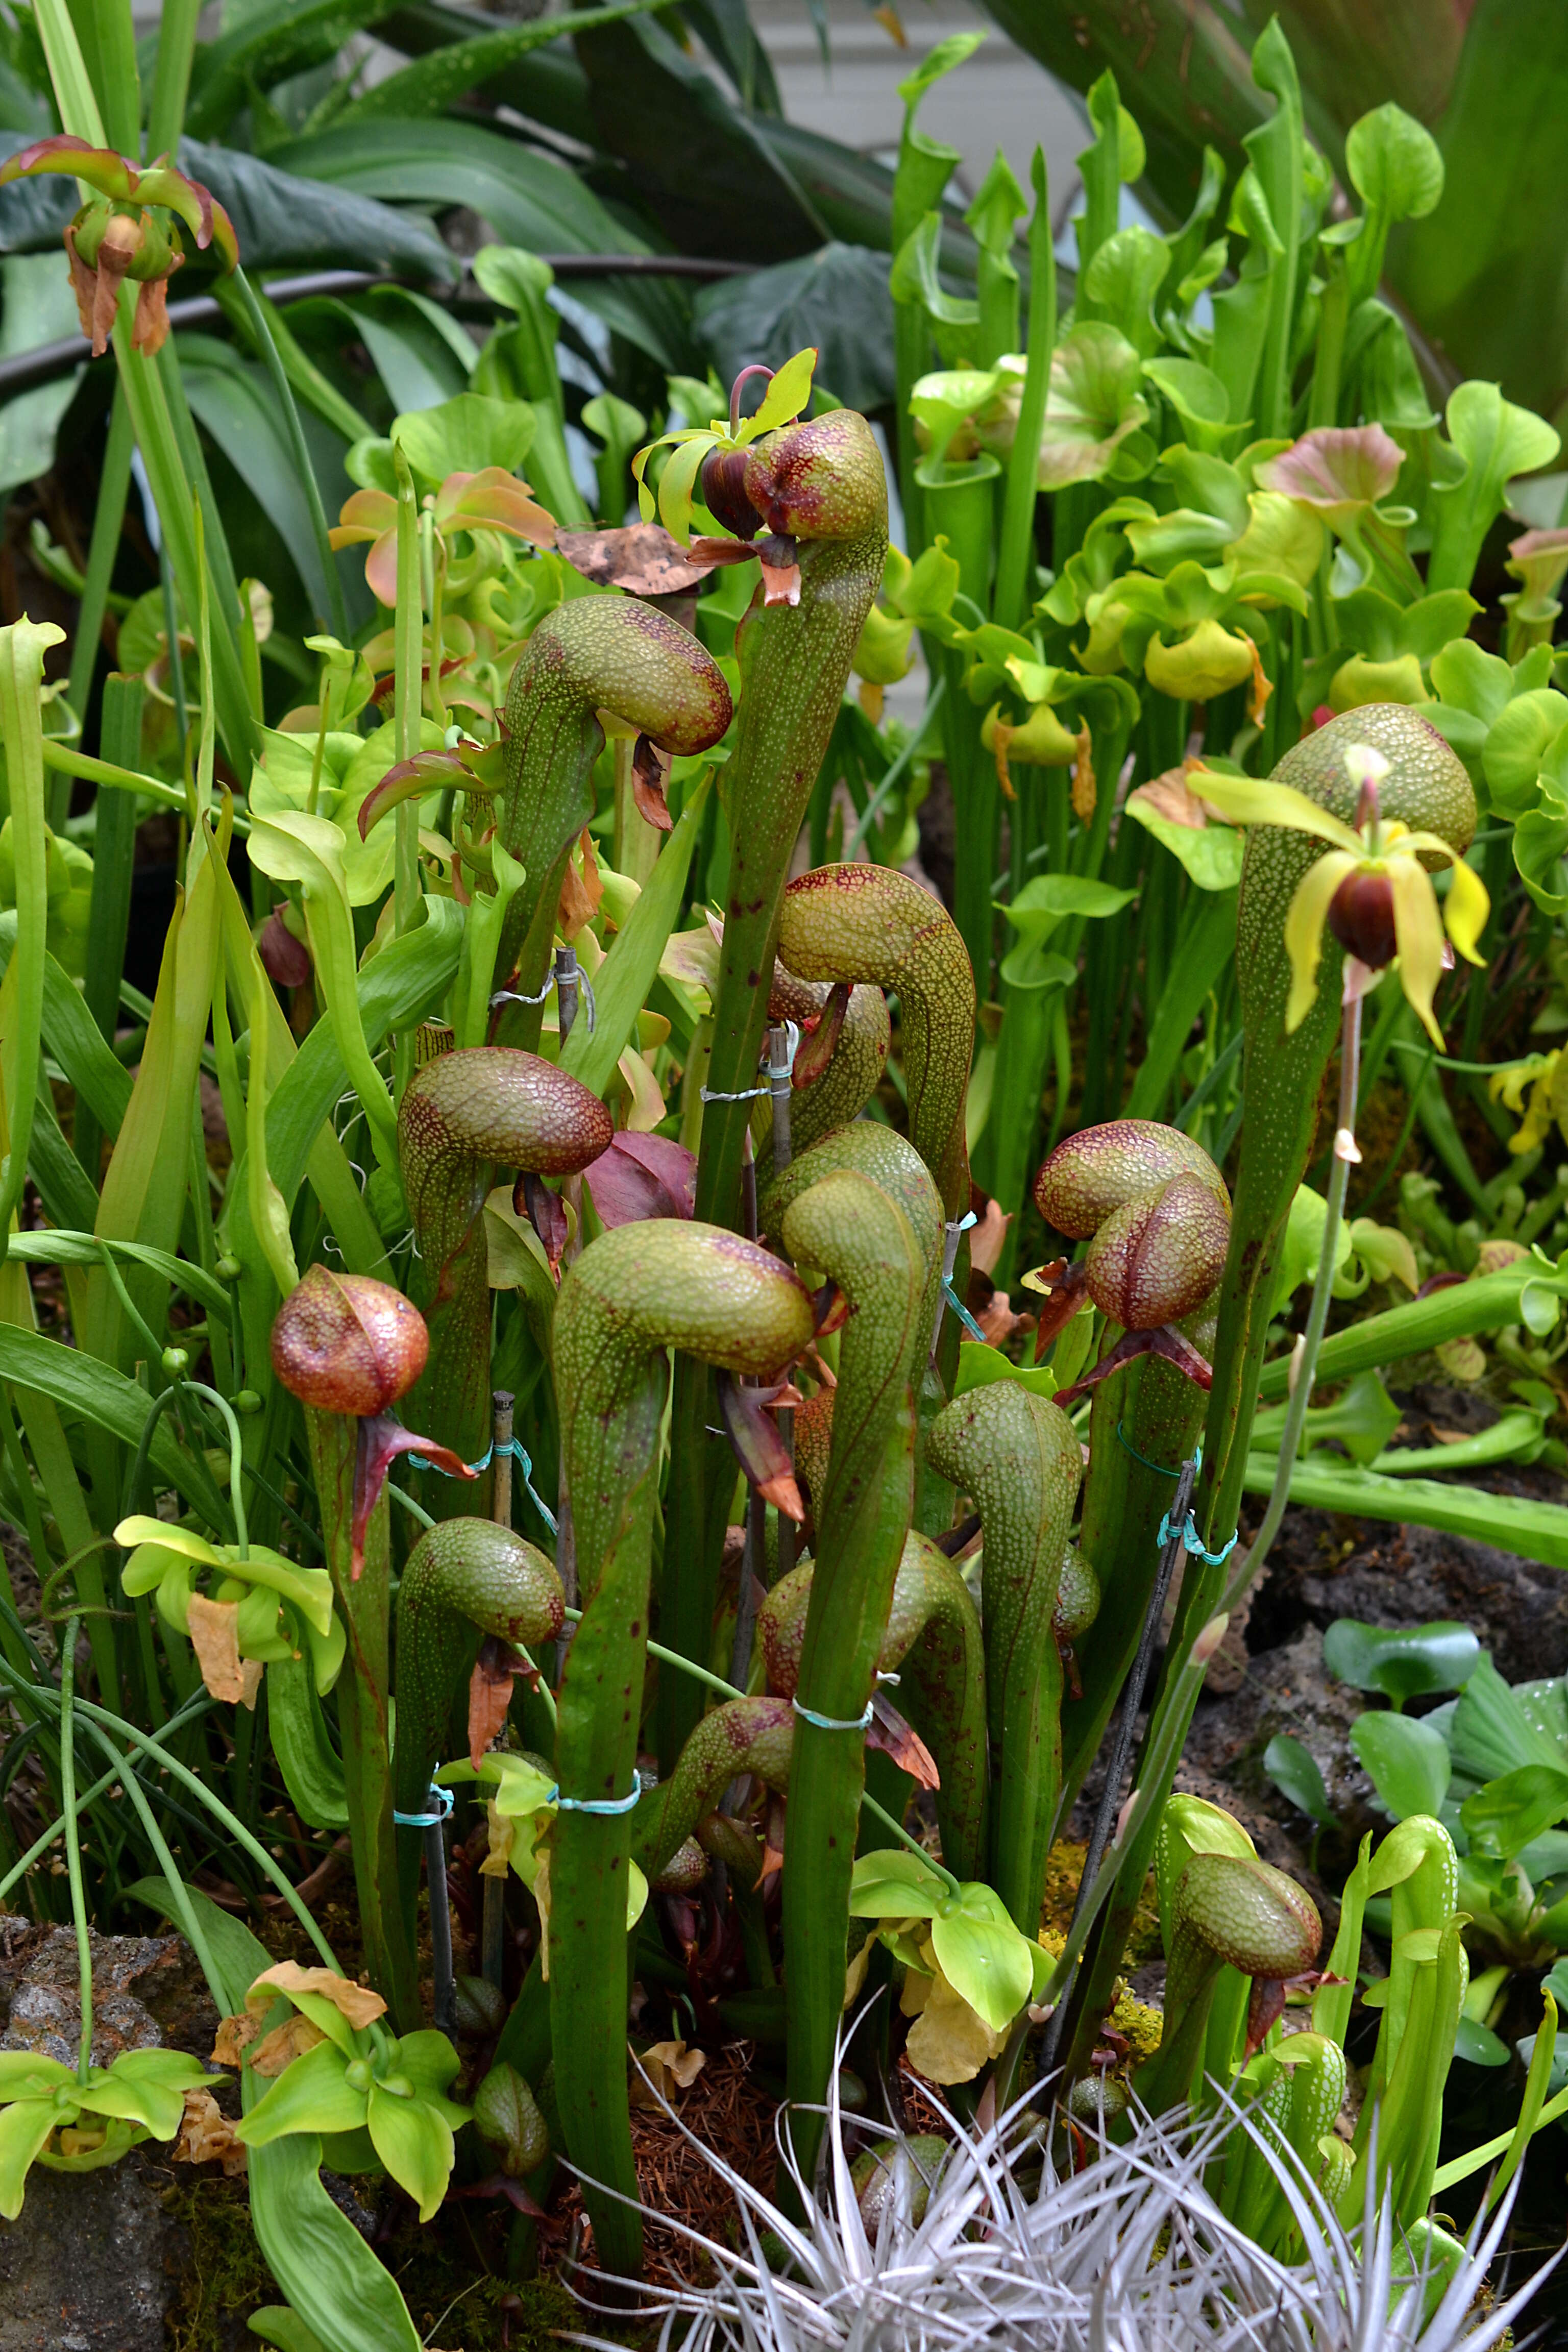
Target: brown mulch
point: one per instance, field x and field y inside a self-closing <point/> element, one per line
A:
<point x="728" y="2111"/>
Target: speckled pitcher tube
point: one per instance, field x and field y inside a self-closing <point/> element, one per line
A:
<point x="463" y="1118"/>
<point x="612" y="653"/>
<point x="632" y="1295"/>
<point x="821" y="484"/>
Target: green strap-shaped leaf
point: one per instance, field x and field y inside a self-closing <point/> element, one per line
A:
<point x="629" y="970"/>
<point x="85" y="1389"/>
<point x="22" y="650"/>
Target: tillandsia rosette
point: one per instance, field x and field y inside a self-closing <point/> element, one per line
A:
<point x="334" y="2072"/>
<point x="78" y="2122"/>
<point x="128" y="233"/>
<point x="260" y="1610"/>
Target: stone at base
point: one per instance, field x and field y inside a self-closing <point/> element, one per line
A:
<point x="83" y="2269"/>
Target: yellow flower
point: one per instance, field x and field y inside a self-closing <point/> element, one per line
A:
<point x="1371" y="888"/>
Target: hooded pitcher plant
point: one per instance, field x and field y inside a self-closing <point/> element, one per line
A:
<point x="348" y="1348"/>
<point x="819" y="484"/>
<point x="1154" y="1210"/>
<point x="1425" y="788"/>
<point x="1018" y="1457"/>
<point x="463" y="1118"/>
<point x="596" y="658"/>
<point x="632" y="1295"/>
<point x="849" y="1228"/>
<point x="470" y="1593"/>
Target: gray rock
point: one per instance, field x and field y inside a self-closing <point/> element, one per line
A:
<point x="87" y="2265"/>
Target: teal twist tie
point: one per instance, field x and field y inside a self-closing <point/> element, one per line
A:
<point x="1159" y="1467"/>
<point x="443" y="1799"/>
<point x="595" y="1804"/>
<point x="830" y="1722"/>
<point x="477" y="1469"/>
<point x="1194" y="1542"/>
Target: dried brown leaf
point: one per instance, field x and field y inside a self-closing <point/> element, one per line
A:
<point x="284" y="2044"/>
<point x="356" y="2001"/>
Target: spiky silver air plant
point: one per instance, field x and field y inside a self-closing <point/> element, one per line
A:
<point x="1125" y="2253"/>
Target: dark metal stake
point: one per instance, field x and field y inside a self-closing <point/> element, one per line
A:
<point x="445" y="1984"/>
<point x="492" y="1930"/>
<point x="566" y="989"/>
<point x="1122" y="1742"/>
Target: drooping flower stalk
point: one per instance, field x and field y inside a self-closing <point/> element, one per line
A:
<point x="465" y="1582"/>
<point x="348" y="1348"/>
<point x="598" y="654"/>
<point x="849" y="1229"/>
<point x="1426" y="788"/>
<point x="632" y="1295"/>
<point x="1018" y="1457"/>
<point x="463" y="1118"/>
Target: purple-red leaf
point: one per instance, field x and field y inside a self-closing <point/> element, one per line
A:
<point x="642" y="1176"/>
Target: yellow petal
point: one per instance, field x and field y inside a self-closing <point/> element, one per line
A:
<point x="1465" y="911"/>
<point x="1304" y="927"/>
<point x="1418" y="929"/>
<point x="1246" y="801"/>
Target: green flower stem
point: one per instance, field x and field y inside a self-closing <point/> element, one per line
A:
<point x="959" y="502"/>
<point x="794" y="665"/>
<point x="408" y="622"/>
<point x="197" y="1705"/>
<point x="597" y="652"/>
<point x="1016" y="552"/>
<point x="632" y="1295"/>
<point x="850" y="1229"/>
<point x="1019" y="1458"/>
<point x="283" y="393"/>
<point x="463" y="1118"/>
<point x="363" y="1714"/>
<point x="73" y="1839"/>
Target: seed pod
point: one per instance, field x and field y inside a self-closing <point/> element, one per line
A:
<point x="1104" y="1168"/>
<point x="346" y="1344"/>
<point x="1159" y="1255"/>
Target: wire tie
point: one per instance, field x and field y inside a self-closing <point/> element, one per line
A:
<point x="830" y="1722"/>
<point x="597" y="1804"/>
<point x="444" y="1802"/>
<point x="1194" y="1542"/>
<point x="777" y="1078"/>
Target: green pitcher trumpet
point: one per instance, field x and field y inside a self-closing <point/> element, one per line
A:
<point x="612" y="655"/>
<point x="464" y="1117"/>
<point x="1018" y="1458"/>
<point x="633" y="1295"/>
